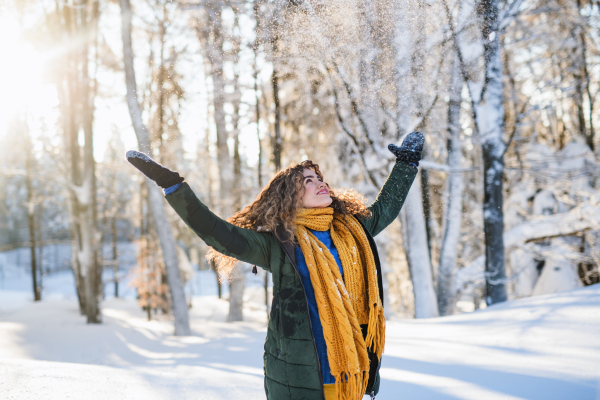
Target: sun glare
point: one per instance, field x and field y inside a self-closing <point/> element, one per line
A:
<point x="21" y="71"/>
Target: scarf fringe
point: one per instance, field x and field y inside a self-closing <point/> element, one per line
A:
<point x="353" y="388"/>
<point x="375" y="339"/>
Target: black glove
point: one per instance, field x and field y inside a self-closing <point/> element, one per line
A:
<point x="163" y="176"/>
<point x="410" y="151"/>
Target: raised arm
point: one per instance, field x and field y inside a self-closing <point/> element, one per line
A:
<point x="393" y="193"/>
<point x="244" y="244"/>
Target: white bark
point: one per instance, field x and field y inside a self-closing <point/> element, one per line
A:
<point x="84" y="243"/>
<point x="238" y="284"/>
<point x="236" y="294"/>
<point x="212" y="36"/>
<point x="368" y="74"/>
<point x="402" y="43"/>
<point x="88" y="248"/>
<point x="414" y="230"/>
<point x="414" y="235"/>
<point x="213" y="45"/>
<point x="454" y="198"/>
<point x="77" y="104"/>
<point x="523" y="267"/>
<point x="155" y="197"/>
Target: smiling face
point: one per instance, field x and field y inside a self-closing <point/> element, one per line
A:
<point x="316" y="192"/>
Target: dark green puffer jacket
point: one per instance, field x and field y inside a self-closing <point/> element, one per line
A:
<point x="292" y="369"/>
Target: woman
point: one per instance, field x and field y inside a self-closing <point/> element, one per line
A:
<point x="327" y="330"/>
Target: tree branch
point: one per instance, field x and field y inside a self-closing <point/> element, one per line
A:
<point x="351" y="135"/>
<point x="463" y="67"/>
<point x="581" y="218"/>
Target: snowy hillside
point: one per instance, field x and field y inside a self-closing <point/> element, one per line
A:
<point x="540" y="348"/>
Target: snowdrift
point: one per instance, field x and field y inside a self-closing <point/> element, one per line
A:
<point x="539" y="348"/>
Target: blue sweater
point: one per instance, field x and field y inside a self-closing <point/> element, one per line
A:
<point x="313" y="311"/>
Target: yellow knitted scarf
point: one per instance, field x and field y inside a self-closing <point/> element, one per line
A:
<point x="344" y="304"/>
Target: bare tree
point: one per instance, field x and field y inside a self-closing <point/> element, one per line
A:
<point x="212" y="31"/>
<point x="454" y="195"/>
<point x="274" y="39"/>
<point x="238" y="283"/>
<point x="29" y="161"/>
<point x="409" y="69"/>
<point x="490" y="124"/>
<point x="76" y="91"/>
<point x="155" y="198"/>
<point x="487" y="100"/>
<point x="414" y="237"/>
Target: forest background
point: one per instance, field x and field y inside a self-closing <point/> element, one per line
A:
<point x="506" y="204"/>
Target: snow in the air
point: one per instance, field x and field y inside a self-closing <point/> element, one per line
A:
<point x="539" y="348"/>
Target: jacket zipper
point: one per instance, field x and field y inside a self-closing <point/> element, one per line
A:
<point x="309" y="322"/>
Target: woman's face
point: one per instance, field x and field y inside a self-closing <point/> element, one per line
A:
<point x="316" y="192"/>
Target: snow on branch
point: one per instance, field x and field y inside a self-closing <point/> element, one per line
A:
<point x="58" y="179"/>
<point x="507" y="16"/>
<point x="581" y="218"/>
<point x="585" y="216"/>
<point x="432" y="165"/>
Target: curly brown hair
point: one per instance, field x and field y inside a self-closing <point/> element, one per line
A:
<point x="276" y="207"/>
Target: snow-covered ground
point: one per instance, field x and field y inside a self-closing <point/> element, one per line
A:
<point x="57" y="281"/>
<point x="540" y="348"/>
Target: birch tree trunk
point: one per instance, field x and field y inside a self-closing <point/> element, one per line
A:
<point x="89" y="224"/>
<point x="236" y="294"/>
<point x="77" y="107"/>
<point x="454" y="197"/>
<point x="274" y="39"/>
<point x="257" y="30"/>
<point x="70" y="129"/>
<point x="583" y="81"/>
<point x="402" y="43"/>
<point x="238" y="284"/>
<point x="37" y="296"/>
<point x="205" y="153"/>
<point x="368" y="73"/>
<point x="87" y="244"/>
<point x="490" y="122"/>
<point x="155" y="197"/>
<point x="115" y="253"/>
<point x="414" y="236"/>
<point x="277" y="138"/>
<point x="414" y="229"/>
<point x="213" y="39"/>
<point x="83" y="219"/>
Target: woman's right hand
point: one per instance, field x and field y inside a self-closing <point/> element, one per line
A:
<point x="163" y="176"/>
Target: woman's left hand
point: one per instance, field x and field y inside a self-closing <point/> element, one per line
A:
<point x="411" y="149"/>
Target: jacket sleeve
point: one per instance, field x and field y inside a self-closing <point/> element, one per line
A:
<point x="244" y="244"/>
<point x="391" y="198"/>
